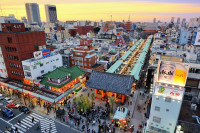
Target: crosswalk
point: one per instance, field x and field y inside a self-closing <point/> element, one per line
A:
<point x="26" y="123"/>
<point x="48" y="125"/>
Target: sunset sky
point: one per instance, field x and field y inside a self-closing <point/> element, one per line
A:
<point x="139" y="10"/>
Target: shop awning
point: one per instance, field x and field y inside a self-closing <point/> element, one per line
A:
<point x="120" y="114"/>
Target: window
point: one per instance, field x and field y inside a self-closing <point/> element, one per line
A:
<point x="85" y="64"/>
<point x="156" y="119"/>
<point x="57" y="59"/>
<point x="85" y="59"/>
<point x="90" y="64"/>
<point x="9" y="40"/>
<point x="167" y="110"/>
<point x="72" y="62"/>
<point x="41" y="65"/>
<point x="47" y="62"/>
<point x="42" y="71"/>
<point x="170" y="124"/>
<point x="89" y="59"/>
<point x="54" y="67"/>
<point x="157" y="108"/>
<point x="168" y="99"/>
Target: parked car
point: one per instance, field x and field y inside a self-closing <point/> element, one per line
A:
<point x="12" y="105"/>
<point x="8" y="100"/>
<point x="1" y="97"/>
<point x="7" y="113"/>
<point x="24" y="109"/>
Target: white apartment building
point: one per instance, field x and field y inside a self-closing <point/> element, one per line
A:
<point x="34" y="68"/>
<point x="3" y="70"/>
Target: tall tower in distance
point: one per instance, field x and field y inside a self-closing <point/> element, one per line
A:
<point x="172" y="19"/>
<point x="154" y="20"/>
<point x="51" y="13"/>
<point x="33" y="13"/>
<point x="178" y="20"/>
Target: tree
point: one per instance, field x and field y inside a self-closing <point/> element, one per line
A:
<point x="96" y="30"/>
<point x="112" y="103"/>
<point x="92" y="96"/>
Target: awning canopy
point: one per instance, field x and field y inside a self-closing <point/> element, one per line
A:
<point x="120" y="114"/>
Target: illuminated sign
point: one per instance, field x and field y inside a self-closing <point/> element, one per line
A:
<point x="27" y="81"/>
<point x="37" y="54"/>
<point x="171" y="92"/>
<point x="172" y="73"/>
<point x="46" y="52"/>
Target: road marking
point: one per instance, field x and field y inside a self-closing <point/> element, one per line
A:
<point x="15" y="117"/>
<point x="5" y="121"/>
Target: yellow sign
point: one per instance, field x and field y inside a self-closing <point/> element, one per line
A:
<point x="172" y="72"/>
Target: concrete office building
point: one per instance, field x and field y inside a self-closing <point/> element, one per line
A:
<point x="33" y="13"/>
<point x="51" y="13"/>
<point x="36" y="67"/>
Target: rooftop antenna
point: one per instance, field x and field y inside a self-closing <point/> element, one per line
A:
<point x="111" y="17"/>
<point x="129" y="17"/>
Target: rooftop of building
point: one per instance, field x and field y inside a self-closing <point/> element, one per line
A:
<point x="61" y="72"/>
<point x="95" y="65"/>
<point x="111" y="82"/>
<point x="185" y="117"/>
<point x="33" y="59"/>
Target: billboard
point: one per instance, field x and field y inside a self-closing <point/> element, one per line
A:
<point x="172" y="72"/>
<point x="171" y="92"/>
<point x="46" y="52"/>
<point x="37" y="54"/>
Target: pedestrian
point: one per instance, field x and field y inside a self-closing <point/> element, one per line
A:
<point x="32" y="119"/>
<point x="45" y="130"/>
<point x="6" y="128"/>
<point x="19" y="122"/>
<point x="88" y="94"/>
<point x="16" y="129"/>
<point x="128" y="103"/>
<point x="50" y="127"/>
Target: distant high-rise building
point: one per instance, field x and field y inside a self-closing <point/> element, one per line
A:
<point x="51" y="14"/>
<point x="154" y="20"/>
<point x="172" y="19"/>
<point x="183" y="21"/>
<point x="178" y="20"/>
<point x="33" y="13"/>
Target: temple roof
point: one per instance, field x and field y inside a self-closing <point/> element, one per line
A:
<point x="111" y="82"/>
<point x="60" y="72"/>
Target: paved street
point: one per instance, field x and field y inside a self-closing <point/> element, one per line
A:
<point x="27" y="126"/>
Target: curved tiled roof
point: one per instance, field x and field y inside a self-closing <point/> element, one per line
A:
<point x="111" y="82"/>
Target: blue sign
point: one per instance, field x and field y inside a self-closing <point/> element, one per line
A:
<point x="46" y="52"/>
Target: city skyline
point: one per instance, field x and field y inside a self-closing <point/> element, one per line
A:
<point x="101" y="9"/>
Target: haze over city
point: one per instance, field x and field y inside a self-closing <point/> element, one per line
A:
<point x="95" y="10"/>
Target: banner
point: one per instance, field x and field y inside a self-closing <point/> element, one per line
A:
<point x="46" y="52"/>
<point x="171" y="92"/>
<point x="37" y="54"/>
<point x="172" y="72"/>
